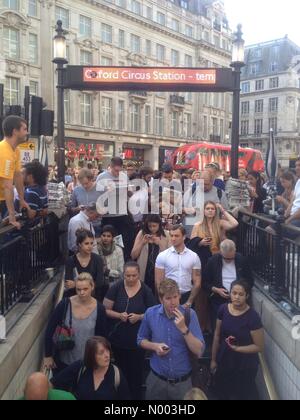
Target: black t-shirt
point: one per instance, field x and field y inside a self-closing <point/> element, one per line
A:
<point x="123" y="334"/>
<point x="81" y="381"/>
<point x="95" y="269"/>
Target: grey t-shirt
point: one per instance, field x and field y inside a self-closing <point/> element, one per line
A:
<point x="82" y="197"/>
<point x="83" y="330"/>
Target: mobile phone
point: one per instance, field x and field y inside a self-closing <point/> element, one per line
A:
<point x="232" y="341"/>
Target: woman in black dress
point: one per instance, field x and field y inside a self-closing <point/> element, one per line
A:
<point x="85" y="261"/>
<point x="126" y="303"/>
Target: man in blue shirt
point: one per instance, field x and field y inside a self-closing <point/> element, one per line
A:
<point x="165" y="333"/>
<point x="35" y="180"/>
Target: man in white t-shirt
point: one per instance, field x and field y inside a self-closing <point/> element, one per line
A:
<point x="180" y="264"/>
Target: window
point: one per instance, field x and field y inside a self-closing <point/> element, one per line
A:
<point x="215" y="127"/>
<point x="121" y="3"/>
<point x="106" y="33"/>
<point x="245" y="128"/>
<point x="135" y="118"/>
<point x="107" y="117"/>
<point x="273" y="122"/>
<point x="33" y="49"/>
<point x="135" y="43"/>
<point x="63" y="15"/>
<point x="136" y="7"/>
<point x="11" y="43"/>
<point x="149" y="13"/>
<point x="121" y="115"/>
<point x="175" y="25"/>
<point x="85" y="26"/>
<point x="205" y="127"/>
<point x="175" y="124"/>
<point x="259" y="85"/>
<point x="34" y="88"/>
<point x="188" y="96"/>
<point x="148" y="48"/>
<point x="188" y="60"/>
<point x="12" y="4"/>
<point x="12" y="91"/>
<point x="274" y="66"/>
<point x="189" y="31"/>
<point x="222" y="130"/>
<point x="255" y="68"/>
<point x="184" y="4"/>
<point x="160" y="121"/>
<point x="86" y="58"/>
<point x="86" y="109"/>
<point x="148" y="119"/>
<point x="187" y="125"/>
<point x="121" y="38"/>
<point x="217" y="41"/>
<point x="174" y="58"/>
<point x="245" y="107"/>
<point x="273" y="104"/>
<point x="274" y="82"/>
<point x="32" y="8"/>
<point x="67" y="106"/>
<point x="161" y="19"/>
<point x="258" y="127"/>
<point x="246" y="87"/>
<point x="259" y="106"/>
<point x="160" y="52"/>
<point x="106" y="61"/>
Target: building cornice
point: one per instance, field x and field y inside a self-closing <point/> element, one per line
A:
<point x="283" y="90"/>
<point x="14" y="19"/>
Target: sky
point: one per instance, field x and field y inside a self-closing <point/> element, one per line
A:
<point x="265" y="20"/>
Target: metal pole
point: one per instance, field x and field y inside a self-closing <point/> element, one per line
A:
<point x="27" y="104"/>
<point x="235" y="140"/>
<point x="60" y="123"/>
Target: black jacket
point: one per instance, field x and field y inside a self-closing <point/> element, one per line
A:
<point x="212" y="276"/>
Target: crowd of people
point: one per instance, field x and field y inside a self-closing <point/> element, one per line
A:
<point x="145" y="285"/>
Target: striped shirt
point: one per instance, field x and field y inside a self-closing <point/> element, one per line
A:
<point x="36" y="197"/>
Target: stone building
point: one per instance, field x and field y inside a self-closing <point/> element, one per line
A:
<point x="141" y="127"/>
<point x="271" y="97"/>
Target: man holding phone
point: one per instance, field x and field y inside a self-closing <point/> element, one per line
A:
<point x="164" y="332"/>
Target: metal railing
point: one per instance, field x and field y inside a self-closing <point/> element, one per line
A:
<point x="25" y="256"/>
<point x="273" y="249"/>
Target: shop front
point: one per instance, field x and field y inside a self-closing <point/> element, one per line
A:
<point x="138" y="155"/>
<point x="80" y="152"/>
<point x="165" y="154"/>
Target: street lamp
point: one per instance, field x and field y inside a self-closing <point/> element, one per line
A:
<point x="60" y="59"/>
<point x="238" y="61"/>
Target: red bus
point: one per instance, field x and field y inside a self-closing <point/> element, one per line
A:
<point x="196" y="156"/>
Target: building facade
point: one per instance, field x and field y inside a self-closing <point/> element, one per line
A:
<point x="139" y="126"/>
<point x="270" y="98"/>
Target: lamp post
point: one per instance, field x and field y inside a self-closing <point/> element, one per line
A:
<point x="238" y="61"/>
<point x="60" y="59"/>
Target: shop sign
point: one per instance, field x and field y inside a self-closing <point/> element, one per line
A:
<point x="84" y="151"/>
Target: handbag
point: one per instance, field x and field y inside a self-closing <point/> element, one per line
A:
<point x="63" y="337"/>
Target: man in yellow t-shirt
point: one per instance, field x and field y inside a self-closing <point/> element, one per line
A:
<point x="15" y="133"/>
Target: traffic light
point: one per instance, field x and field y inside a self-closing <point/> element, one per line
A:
<point x="36" y="116"/>
<point x="47" y="123"/>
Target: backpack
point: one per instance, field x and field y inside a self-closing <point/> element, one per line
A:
<point x="117" y="376"/>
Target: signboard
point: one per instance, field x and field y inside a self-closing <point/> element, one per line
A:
<point x="162" y="79"/>
<point x="27" y="152"/>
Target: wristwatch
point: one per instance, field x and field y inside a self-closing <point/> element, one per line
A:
<point x="187" y="333"/>
<point x="189" y="304"/>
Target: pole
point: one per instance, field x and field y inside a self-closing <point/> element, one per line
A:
<point x="27" y="104"/>
<point x="1" y="100"/>
<point x="60" y="123"/>
<point x="235" y="140"/>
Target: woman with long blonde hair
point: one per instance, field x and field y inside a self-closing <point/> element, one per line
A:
<point x="205" y="241"/>
<point x="212" y="231"/>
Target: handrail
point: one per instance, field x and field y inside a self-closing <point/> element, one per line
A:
<point x="268" y="379"/>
